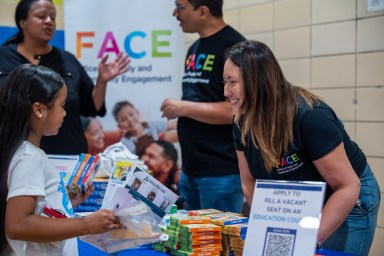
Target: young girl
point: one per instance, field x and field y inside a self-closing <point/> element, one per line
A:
<point x="35" y="207"/>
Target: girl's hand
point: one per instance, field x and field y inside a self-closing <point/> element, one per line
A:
<point x="76" y="196"/>
<point x="102" y="221"/>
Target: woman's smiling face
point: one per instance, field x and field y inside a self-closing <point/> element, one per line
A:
<point x="233" y="85"/>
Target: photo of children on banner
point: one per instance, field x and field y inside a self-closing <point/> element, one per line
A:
<point x="99" y="139"/>
<point x="139" y="133"/>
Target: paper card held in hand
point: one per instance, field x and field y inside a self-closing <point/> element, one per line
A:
<point x="118" y="179"/>
<point x="144" y="187"/>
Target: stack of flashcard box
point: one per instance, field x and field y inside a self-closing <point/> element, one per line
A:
<point x="234" y="239"/>
<point x="191" y="234"/>
<point x="173" y="229"/>
<point x="197" y="239"/>
<point x="232" y="244"/>
<point x="204" y="232"/>
<point x="84" y="171"/>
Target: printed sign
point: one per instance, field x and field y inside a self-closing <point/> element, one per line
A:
<point x="147" y="32"/>
<point x="284" y="218"/>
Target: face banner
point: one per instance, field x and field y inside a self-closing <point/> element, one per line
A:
<point x="143" y="29"/>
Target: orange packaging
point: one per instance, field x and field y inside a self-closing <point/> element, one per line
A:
<point x="200" y="228"/>
<point x="200" y="247"/>
<point x="209" y="233"/>
<point x="194" y="221"/>
<point x="196" y="238"/>
<point x="207" y="249"/>
<point x="178" y="220"/>
<point x="181" y="253"/>
<point x="200" y="242"/>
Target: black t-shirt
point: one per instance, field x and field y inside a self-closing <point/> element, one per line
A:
<point x="207" y="150"/>
<point x="317" y="132"/>
<point x="70" y="139"/>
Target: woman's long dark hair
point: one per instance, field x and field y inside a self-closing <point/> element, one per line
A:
<point x="24" y="86"/>
<point x="270" y="100"/>
<point x="21" y="13"/>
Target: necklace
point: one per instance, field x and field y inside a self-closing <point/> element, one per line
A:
<point x="37" y="56"/>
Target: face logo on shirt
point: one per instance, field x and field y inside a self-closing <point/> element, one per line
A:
<point x="288" y="163"/>
<point x="200" y="62"/>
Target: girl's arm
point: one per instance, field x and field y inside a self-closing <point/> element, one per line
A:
<point x="247" y="180"/>
<point x="340" y="176"/>
<point x="21" y="223"/>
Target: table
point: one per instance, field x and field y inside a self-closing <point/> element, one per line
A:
<point x="89" y="250"/>
<point x="86" y="249"/>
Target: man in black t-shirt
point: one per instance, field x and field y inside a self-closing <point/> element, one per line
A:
<point x="210" y="174"/>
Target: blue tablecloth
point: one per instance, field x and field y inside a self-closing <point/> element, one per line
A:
<point x="89" y="250"/>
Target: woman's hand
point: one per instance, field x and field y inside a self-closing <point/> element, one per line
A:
<point x="110" y="70"/>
